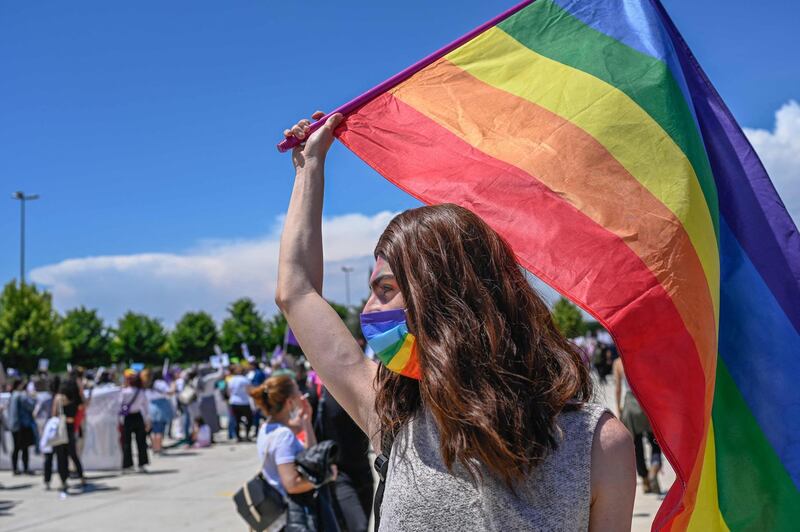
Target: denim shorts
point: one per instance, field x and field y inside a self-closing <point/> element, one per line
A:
<point x="158" y="427"/>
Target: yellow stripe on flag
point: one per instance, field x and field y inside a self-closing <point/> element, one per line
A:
<point x="612" y="118"/>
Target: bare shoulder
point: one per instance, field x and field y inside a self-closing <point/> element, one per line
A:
<point x="613" y="475"/>
<point x="612" y="450"/>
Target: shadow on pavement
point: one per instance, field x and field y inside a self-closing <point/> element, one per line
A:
<point x="90" y="488"/>
<point x="102" y="477"/>
<point x="161" y="472"/>
<point x="6" y="507"/>
<point x="179" y="453"/>
<point x="17" y="487"/>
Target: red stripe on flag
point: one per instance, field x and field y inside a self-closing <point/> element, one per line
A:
<point x="576" y="256"/>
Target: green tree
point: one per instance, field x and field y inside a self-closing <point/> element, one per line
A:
<point x="28" y="328"/>
<point x="245" y="325"/>
<point x="276" y="331"/>
<point x="567" y="318"/>
<point x="276" y="327"/>
<point x="86" y="339"/>
<point x="193" y="338"/>
<point x="139" y="338"/>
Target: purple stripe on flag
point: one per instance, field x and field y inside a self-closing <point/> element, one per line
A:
<point x="747" y="198"/>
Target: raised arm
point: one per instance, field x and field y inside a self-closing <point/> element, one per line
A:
<point x="324" y="338"/>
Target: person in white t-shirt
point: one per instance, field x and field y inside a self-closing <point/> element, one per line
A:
<point x="239" y="402"/>
<point x="134" y="416"/>
<point x="287" y="413"/>
<point x="160" y="409"/>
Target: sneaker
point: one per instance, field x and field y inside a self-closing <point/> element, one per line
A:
<point x="127" y="470"/>
<point x="46" y="486"/>
<point x="63" y="495"/>
<point x="143" y="470"/>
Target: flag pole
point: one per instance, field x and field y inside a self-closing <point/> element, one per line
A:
<point x="289" y="143"/>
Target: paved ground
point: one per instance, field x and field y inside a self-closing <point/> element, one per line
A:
<point x="185" y="490"/>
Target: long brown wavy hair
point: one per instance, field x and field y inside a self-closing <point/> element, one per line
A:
<point x="273" y="394"/>
<point x="495" y="370"/>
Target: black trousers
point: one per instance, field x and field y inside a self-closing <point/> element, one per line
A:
<point x="23" y="439"/>
<point x="352" y="499"/>
<point x="69" y="451"/>
<point x="48" y="467"/>
<point x="638" y="449"/>
<point x="243" y="416"/>
<point x="133" y="424"/>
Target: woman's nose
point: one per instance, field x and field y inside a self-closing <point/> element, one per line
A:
<point x="373" y="305"/>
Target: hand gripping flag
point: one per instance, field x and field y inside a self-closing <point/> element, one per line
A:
<point x="586" y="133"/>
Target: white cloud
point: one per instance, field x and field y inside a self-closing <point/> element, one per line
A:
<point x="210" y="276"/>
<point x="779" y="150"/>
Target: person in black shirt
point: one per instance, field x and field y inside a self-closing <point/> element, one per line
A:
<point x="353" y="487"/>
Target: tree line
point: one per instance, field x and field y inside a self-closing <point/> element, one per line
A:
<point x="31" y="329"/>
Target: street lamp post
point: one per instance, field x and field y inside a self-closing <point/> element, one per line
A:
<point x="19" y="195"/>
<point x="347" y="271"/>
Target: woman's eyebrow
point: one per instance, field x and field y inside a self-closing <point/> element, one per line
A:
<point x="376" y="281"/>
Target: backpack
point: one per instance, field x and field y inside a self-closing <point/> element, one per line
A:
<point x="382" y="467"/>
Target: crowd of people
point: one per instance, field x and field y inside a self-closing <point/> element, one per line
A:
<point x="484" y="414"/>
<point x="283" y="407"/>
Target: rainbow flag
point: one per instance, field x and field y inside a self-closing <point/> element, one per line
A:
<point x="586" y="133"/>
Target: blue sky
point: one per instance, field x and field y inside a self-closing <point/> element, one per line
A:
<point x="149" y="128"/>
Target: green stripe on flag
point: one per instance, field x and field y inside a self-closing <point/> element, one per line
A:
<point x="755" y="491"/>
<point x="554" y="33"/>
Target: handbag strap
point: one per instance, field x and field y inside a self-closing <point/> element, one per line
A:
<point x="135" y="395"/>
<point x="126" y="407"/>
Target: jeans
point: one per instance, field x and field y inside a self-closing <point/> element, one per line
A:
<point x="187" y="426"/>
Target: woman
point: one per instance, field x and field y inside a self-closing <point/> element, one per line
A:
<point x="238" y="389"/>
<point x="48" y="406"/>
<point x="634" y="418"/>
<point x="486" y="404"/>
<point x="288" y="412"/>
<point x="20" y="420"/>
<point x="135" y="421"/>
<point x="160" y="410"/>
<point x="68" y="400"/>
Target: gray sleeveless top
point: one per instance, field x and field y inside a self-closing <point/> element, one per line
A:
<point x="421" y="494"/>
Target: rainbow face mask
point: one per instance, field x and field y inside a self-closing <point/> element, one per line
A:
<point x="387" y="334"/>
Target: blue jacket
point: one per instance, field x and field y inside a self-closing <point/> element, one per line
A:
<point x="20" y="411"/>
